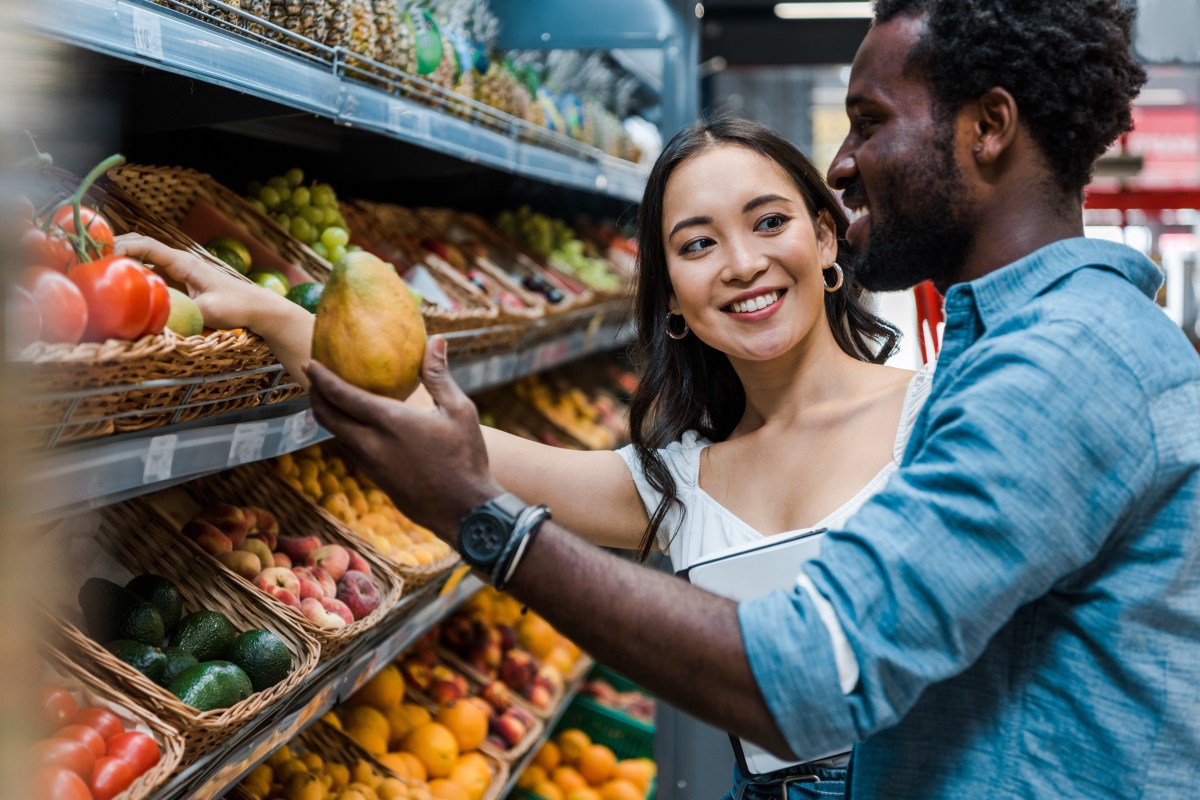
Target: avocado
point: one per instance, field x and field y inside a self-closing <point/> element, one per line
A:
<point x="212" y="684"/>
<point x="112" y="612"/>
<point x="207" y="634"/>
<point x="263" y="656"/>
<point x="177" y="660"/>
<point x="147" y="660"/>
<point x="162" y="594"/>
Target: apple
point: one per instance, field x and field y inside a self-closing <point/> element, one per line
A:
<point x="357" y="562"/>
<point x="326" y="580"/>
<point x="208" y="536"/>
<point x="298" y="548"/>
<point x="309" y="585"/>
<point x="265" y="523"/>
<point x="282" y="560"/>
<point x="358" y="593"/>
<point x="333" y="558"/>
<point x="259" y="549"/>
<point x="278" y="577"/>
<point x="229" y="519"/>
<point x="317" y="614"/>
<point x="517" y="669"/>
<point x="243" y="563"/>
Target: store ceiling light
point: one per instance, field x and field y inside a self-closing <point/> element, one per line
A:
<point x="823" y="10"/>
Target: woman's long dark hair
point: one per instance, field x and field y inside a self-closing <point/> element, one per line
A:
<point x="687" y="385"/>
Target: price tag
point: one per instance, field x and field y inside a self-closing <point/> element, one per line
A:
<point x="298" y="430"/>
<point x="247" y="444"/>
<point x="477" y="374"/>
<point x="495" y="371"/>
<point x="160" y="457"/>
<point x="406" y="120"/>
<point x="147" y="33"/>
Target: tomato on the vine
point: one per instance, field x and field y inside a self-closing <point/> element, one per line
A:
<point x="47" y="248"/>
<point x="160" y="304"/>
<point x="97" y="227"/>
<point x="25" y="325"/>
<point x="136" y="749"/>
<point x="111" y="777"/>
<point x="61" y="303"/>
<point x="58" y="707"/>
<point x="63" y="753"/>
<point x="118" y="297"/>
<point x="105" y="723"/>
<point x="56" y="783"/>
<point x="88" y="737"/>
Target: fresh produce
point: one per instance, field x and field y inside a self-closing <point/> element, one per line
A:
<point x="61" y="306"/>
<point x="117" y="295"/>
<point x="212" y="684"/>
<point x="293" y="773"/>
<point x="572" y="764"/>
<point x="368" y="329"/>
<point x="231" y="251"/>
<point x="309" y="212"/>
<point x="270" y="279"/>
<point x="263" y="656"/>
<point x="147" y="660"/>
<point x="113" y="612"/>
<point x="184" y="317"/>
<point x="632" y="702"/>
<point x="306" y="295"/>
<point x="207" y="635"/>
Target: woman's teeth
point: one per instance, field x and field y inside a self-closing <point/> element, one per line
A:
<point x="755" y="303"/>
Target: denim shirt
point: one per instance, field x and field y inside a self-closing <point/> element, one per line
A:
<point x="1023" y="597"/>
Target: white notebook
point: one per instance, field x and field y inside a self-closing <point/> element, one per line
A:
<point x="747" y="574"/>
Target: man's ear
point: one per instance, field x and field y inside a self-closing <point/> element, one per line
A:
<point x="994" y="125"/>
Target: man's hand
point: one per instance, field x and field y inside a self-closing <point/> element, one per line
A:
<point x="432" y="463"/>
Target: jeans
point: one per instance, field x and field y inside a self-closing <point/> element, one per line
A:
<point x="829" y="783"/>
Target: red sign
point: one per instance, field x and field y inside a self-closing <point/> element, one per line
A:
<point x="1168" y="140"/>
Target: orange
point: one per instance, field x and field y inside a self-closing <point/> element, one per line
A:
<point x="392" y="789"/>
<point x="417" y="715"/>
<point x="368" y="739"/>
<point x="330" y="718"/>
<point x="621" y="790"/>
<point x="467" y="721"/>
<point x="473" y="774"/>
<point x="399" y="725"/>
<point x="396" y="763"/>
<point x="547" y="790"/>
<point x="435" y="746"/>
<point x="365" y="717"/>
<point x="365" y="773"/>
<point x="548" y="757"/>
<point x="416" y="769"/>
<point x="532" y="776"/>
<point x="638" y="771"/>
<point x="536" y="635"/>
<point x="573" y="742"/>
<point x="596" y="764"/>
<point x="385" y="690"/>
<point x="568" y="779"/>
<point x="445" y="790"/>
<point x="583" y="794"/>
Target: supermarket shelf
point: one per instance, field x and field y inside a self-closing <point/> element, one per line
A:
<point x="311" y="77"/>
<point x="331" y="683"/>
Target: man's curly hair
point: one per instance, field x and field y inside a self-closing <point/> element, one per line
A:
<point x="1068" y="63"/>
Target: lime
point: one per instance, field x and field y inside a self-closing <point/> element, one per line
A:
<point x="185" y="318"/>
<point x="306" y="295"/>
<point x="236" y="245"/>
<point x="229" y="256"/>
<point x="270" y="280"/>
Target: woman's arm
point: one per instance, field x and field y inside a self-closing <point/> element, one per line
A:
<point x="591" y="493"/>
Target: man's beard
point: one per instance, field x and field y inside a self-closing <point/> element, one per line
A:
<point x="920" y="226"/>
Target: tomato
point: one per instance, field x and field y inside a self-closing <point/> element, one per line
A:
<point x="136" y="749"/>
<point x="96" y="226"/>
<point x="63" y="753"/>
<point x="58" y="298"/>
<point x="160" y="304"/>
<point x="118" y="297"/>
<point x="104" y="722"/>
<point x="88" y="737"/>
<point x="25" y="318"/>
<point x="56" y="783"/>
<point x="58" y="707"/>
<point x="48" y="248"/>
<point x="112" y="776"/>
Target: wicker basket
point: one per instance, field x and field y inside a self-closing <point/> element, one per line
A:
<point x="536" y="727"/>
<point x="474" y="675"/>
<point x="278" y="487"/>
<point x="95" y="692"/>
<point x="143" y="543"/>
<point x="256" y="485"/>
<point x="174" y="193"/>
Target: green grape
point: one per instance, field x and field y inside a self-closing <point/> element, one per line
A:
<point x="302" y="230"/>
<point x="253" y="188"/>
<point x="301" y="197"/>
<point x="279" y="182"/>
<point x="331" y="215"/>
<point x="315" y="216"/>
<point x="284" y="220"/>
<point x="322" y="195"/>
<point x="294" y="176"/>
<point x="334" y="238"/>
<point x="269" y="197"/>
<point x="353" y="248"/>
<point x="259" y="205"/>
<point x="336" y="253"/>
<point x="285" y="195"/>
<point x="321" y="250"/>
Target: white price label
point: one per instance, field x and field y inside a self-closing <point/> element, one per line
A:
<point x="477" y="374"/>
<point x="160" y="458"/>
<point x="147" y="33"/>
<point x="247" y="444"/>
<point x="407" y="120"/>
<point x="495" y="371"/>
<point x="298" y="430"/>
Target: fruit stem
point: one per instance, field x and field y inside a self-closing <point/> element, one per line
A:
<point x="83" y="242"/>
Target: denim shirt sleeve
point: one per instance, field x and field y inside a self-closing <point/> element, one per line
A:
<point x="1015" y="480"/>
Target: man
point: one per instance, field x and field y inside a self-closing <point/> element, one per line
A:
<point x="1023" y="600"/>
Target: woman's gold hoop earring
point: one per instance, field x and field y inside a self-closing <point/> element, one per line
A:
<point x="841" y="277"/>
<point x="676" y="336"/>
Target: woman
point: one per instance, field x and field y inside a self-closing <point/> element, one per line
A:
<point x="763" y="408"/>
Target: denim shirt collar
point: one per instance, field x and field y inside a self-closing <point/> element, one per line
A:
<point x="973" y="307"/>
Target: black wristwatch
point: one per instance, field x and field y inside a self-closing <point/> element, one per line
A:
<point x="485" y="530"/>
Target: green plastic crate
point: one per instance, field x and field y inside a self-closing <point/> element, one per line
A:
<point x="624" y="735"/>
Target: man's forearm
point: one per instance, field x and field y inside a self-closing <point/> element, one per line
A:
<point x="625" y="613"/>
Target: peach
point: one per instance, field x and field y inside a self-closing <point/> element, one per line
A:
<point x="497" y="695"/>
<point x="309" y="585"/>
<point x="333" y="558"/>
<point x="447" y="686"/>
<point x="229" y="519"/>
<point x="540" y="695"/>
<point x="298" y="548"/>
<point x="358" y="593"/>
<point x="517" y="669"/>
<point x="271" y="539"/>
<point x="259" y="549"/>
<point x="326" y="580"/>
<point x="243" y="563"/>
<point x="265" y="523"/>
<point x="278" y="577"/>
<point x="317" y="614"/>
<point x="486" y="656"/>
<point x="336" y="606"/>
<point x="251" y="520"/>
<point x="458" y="634"/>
<point x="417" y="674"/>
<point x="357" y="562"/>
<point x="208" y="536"/>
<point x="508" y="637"/>
<point x="282" y="560"/>
<point x="511" y="728"/>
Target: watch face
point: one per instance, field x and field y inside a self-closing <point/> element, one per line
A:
<point x="482" y="537"/>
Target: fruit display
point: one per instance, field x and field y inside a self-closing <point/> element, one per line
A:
<point x="201" y="658"/>
<point x="573" y="766"/>
<point x="308" y="211"/>
<point x="88" y="752"/>
<point x="631" y="701"/>
<point x="329" y="584"/>
<point x="557" y="242"/>
<point x="346" y="493"/>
